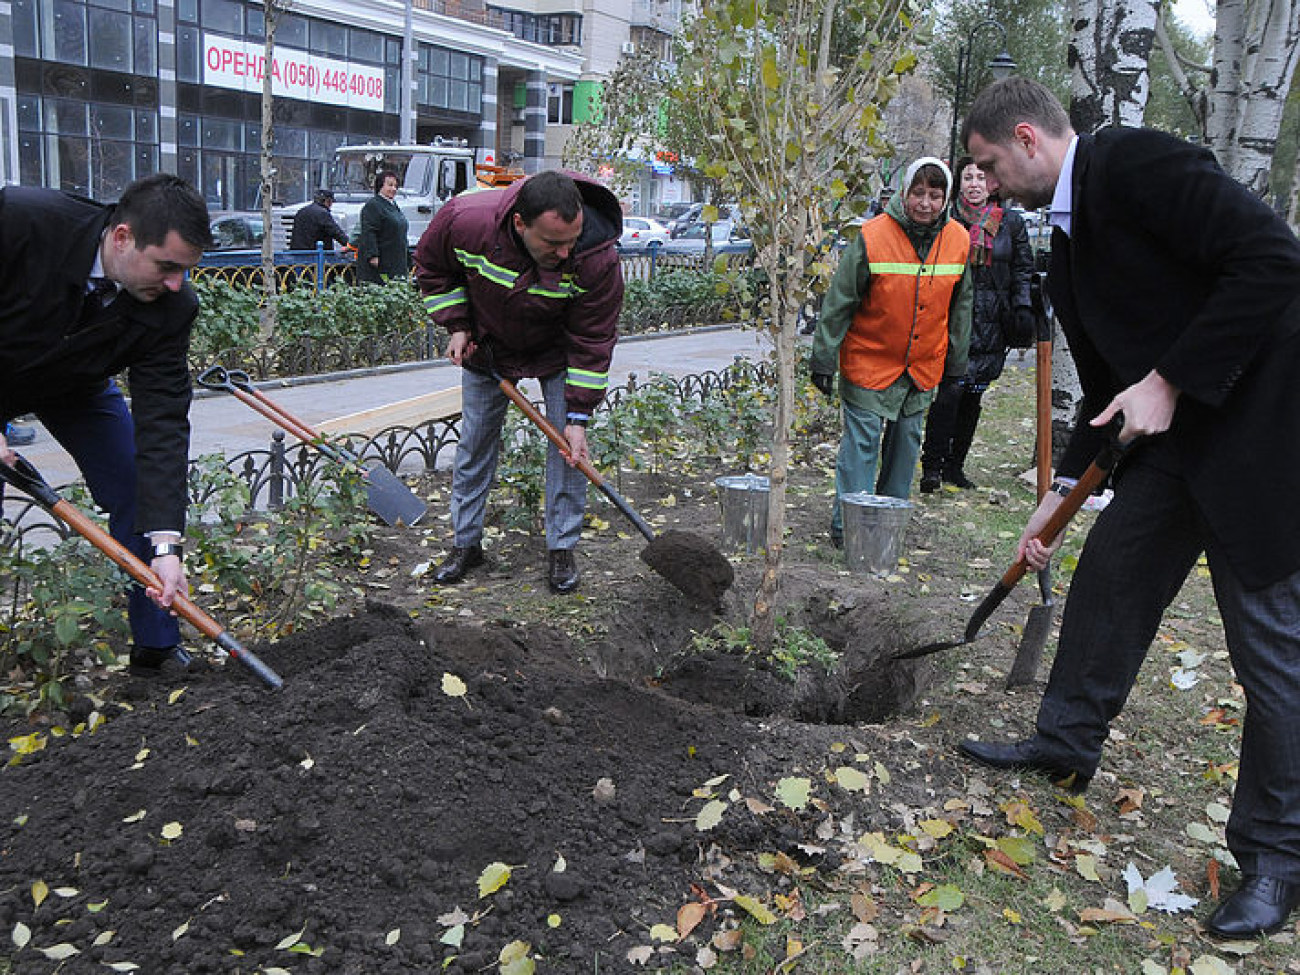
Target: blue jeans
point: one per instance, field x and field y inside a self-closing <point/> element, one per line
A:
<point x="97" y="431"/>
<point x="483" y="411"/>
<point x="861" y="451"/>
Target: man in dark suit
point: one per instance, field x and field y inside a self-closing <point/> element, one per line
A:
<point x="314" y="224"/>
<point x="87" y="292"/>
<point x="1179" y="293"/>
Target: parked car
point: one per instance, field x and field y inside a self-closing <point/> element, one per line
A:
<point x="677" y="215"/>
<point x="728" y="238"/>
<point x="236" y="230"/>
<point x="671" y="211"/>
<point x="641" y="234"/>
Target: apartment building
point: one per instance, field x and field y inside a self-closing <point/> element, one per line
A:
<point x="94" y="93"/>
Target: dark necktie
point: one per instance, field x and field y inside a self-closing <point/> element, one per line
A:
<point x="102" y="290"/>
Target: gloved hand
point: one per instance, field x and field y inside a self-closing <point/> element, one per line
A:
<point x="825" y="382"/>
<point x="1025" y="330"/>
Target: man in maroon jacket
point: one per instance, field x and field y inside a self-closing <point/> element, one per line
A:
<point x="527" y="281"/>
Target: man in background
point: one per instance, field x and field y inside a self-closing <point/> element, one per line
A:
<point x="314" y="224"/>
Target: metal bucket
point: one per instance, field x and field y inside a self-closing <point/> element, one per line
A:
<point x="744" y="510"/>
<point x="873" y="531"/>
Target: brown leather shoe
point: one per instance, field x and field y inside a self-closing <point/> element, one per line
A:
<point x="458" y="562"/>
<point x="563" y="575"/>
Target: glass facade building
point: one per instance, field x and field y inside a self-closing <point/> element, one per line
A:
<point x="95" y="93"/>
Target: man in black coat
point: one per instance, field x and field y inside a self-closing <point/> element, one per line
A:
<point x="315" y="224"/>
<point x="1179" y="292"/>
<point x="87" y="292"/>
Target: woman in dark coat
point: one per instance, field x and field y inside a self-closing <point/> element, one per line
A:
<point x="1001" y="264"/>
<point x="381" y="236"/>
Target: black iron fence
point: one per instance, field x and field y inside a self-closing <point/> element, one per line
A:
<point x="321" y="268"/>
<point x="282" y="470"/>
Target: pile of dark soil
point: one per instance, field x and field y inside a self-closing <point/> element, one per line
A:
<point x="343" y="824"/>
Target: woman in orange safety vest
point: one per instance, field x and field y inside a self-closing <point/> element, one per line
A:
<point x="895" y="321"/>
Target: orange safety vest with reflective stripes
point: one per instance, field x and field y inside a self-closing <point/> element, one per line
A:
<point x="902" y="324"/>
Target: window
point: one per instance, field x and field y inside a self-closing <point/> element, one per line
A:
<point x="559" y="104"/>
<point x="551" y="29"/>
<point x="449" y="79"/>
<point x="112" y="35"/>
<point x="329" y="39"/>
<point x="226" y="16"/>
<point x="90" y="148"/>
<point x="26" y="43"/>
<point x="111" y="43"/>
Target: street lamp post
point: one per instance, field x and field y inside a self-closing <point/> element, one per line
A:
<point x="1001" y="66"/>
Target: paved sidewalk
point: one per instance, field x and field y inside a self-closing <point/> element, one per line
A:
<point x="222" y="424"/>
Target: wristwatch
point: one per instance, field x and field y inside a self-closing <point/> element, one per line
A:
<point x="169" y="548"/>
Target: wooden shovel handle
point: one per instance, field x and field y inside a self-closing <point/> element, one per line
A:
<point x="1092" y="479"/>
<point x="557" y="438"/>
<point x="548" y="428"/>
<point x="143" y="574"/>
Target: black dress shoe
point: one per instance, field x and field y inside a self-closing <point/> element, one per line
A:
<point x="162" y="661"/>
<point x="930" y="482"/>
<point x="1261" y="905"/>
<point x="457" y="563"/>
<point x="958" y="478"/>
<point x="1027" y="755"/>
<point x="563" y="574"/>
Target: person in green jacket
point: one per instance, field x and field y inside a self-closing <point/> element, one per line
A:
<point x="381" y="236"/>
<point x="895" y="321"/>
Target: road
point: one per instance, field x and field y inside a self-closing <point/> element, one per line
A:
<point x="221" y="424"/>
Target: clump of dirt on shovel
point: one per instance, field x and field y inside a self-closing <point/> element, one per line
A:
<point x="692" y="564"/>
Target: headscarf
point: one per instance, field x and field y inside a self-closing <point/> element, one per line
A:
<point x="922" y="235"/>
<point x="913" y="169"/>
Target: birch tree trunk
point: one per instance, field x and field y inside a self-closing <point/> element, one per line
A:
<point x="1255" y="53"/>
<point x="1108" y="53"/>
<point x="1109" y="80"/>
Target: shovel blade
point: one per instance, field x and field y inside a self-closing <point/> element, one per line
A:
<point x="390" y="499"/>
<point x="925" y="649"/>
<point x="692" y="564"/>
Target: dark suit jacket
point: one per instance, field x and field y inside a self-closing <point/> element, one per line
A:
<point x="50" y="353"/>
<point x="1173" y="265"/>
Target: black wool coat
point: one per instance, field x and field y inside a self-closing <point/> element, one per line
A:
<point x="1172" y="265"/>
<point x="50" y="354"/>
<point x="1000" y="288"/>
<point x="381" y="232"/>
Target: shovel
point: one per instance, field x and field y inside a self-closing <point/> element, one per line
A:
<point x="1024" y="669"/>
<point x="685" y="559"/>
<point x="1092" y="479"/>
<point x="25" y="478"/>
<point x="388" y="497"/>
